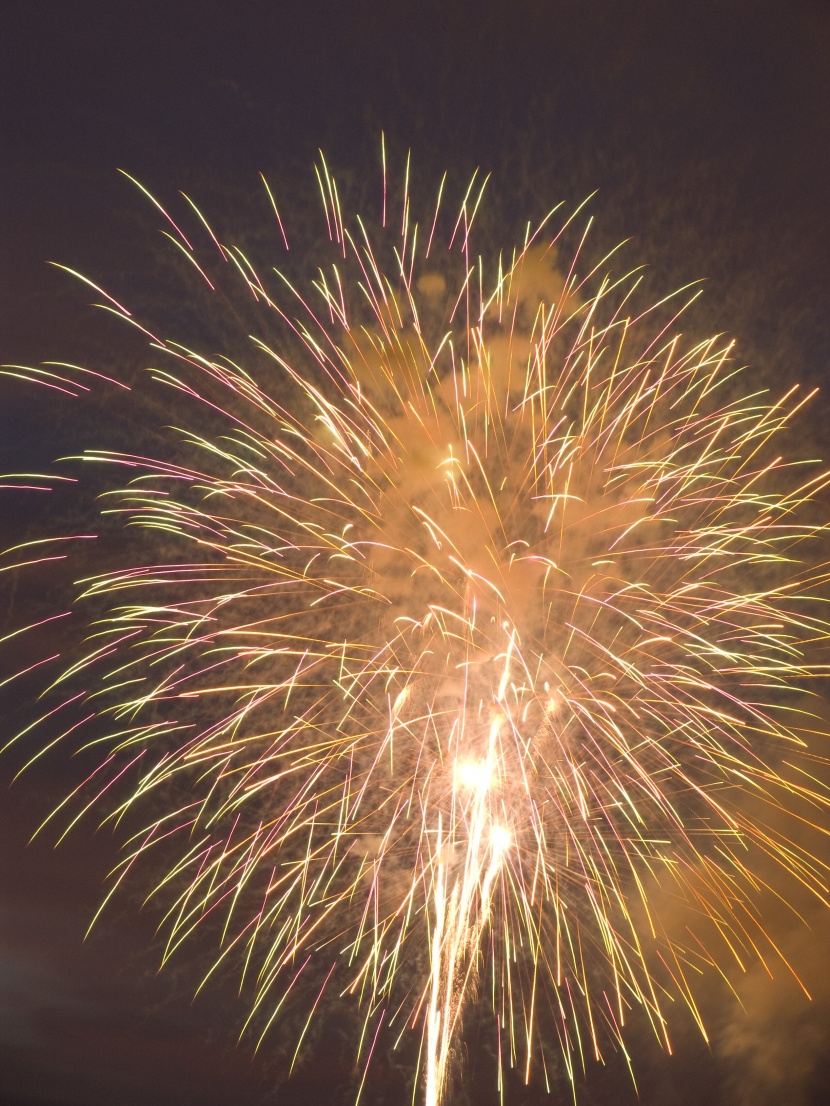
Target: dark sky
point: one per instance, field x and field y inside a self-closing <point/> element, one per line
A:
<point x="705" y="127"/>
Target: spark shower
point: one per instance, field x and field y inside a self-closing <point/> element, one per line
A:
<point x="462" y="623"/>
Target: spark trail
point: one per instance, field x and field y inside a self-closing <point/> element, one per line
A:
<point x="488" y="615"/>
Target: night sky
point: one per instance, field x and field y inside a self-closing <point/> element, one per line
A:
<point x="705" y="128"/>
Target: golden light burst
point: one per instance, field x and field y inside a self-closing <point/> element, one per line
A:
<point x="484" y="608"/>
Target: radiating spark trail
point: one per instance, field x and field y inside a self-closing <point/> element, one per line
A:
<point x="465" y="623"/>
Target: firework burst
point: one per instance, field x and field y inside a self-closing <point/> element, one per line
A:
<point x="489" y="609"/>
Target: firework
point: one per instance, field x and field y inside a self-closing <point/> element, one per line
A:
<point x="469" y="607"/>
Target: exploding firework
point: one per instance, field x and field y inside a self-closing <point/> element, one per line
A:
<point x="484" y="607"/>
